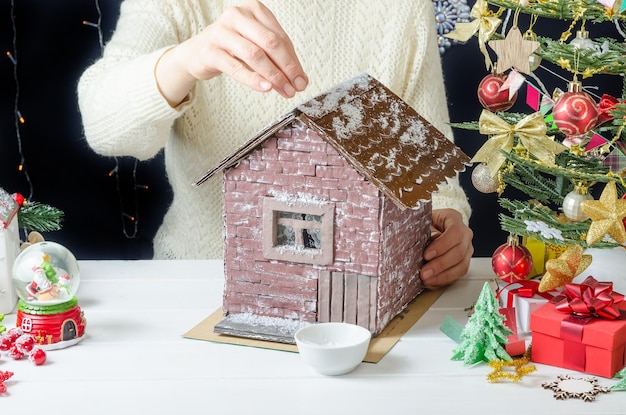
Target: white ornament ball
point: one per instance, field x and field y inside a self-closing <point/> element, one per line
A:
<point x="571" y="206"/>
<point x="482" y="180"/>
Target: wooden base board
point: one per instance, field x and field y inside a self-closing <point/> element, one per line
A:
<point x="379" y="346"/>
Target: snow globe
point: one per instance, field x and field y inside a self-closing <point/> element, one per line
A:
<point x="46" y="278"/>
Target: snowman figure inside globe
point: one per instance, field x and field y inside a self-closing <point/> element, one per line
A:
<point x="46" y="278"/>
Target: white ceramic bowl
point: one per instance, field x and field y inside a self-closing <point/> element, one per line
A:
<point x="333" y="348"/>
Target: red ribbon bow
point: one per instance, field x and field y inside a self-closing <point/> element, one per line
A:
<point x="591" y="299"/>
<point x="605" y="106"/>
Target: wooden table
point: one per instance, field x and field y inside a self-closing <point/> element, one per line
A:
<point x="134" y="359"/>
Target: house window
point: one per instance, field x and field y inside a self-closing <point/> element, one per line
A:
<point x="298" y="232"/>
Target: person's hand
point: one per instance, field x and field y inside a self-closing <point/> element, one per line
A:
<point x="246" y="43"/>
<point x="448" y="254"/>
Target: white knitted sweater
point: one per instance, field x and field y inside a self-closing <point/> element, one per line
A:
<point x="124" y="114"/>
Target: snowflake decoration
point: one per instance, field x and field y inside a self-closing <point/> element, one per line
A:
<point x="543" y="229"/>
<point x="447" y="14"/>
<point x="568" y="387"/>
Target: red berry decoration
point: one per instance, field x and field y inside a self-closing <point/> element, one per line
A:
<point x="15" y="353"/>
<point x="512" y="262"/>
<point x="490" y="95"/>
<point x="37" y="356"/>
<point x="5" y="343"/>
<point x="19" y="199"/>
<point x="25" y="343"/>
<point x="575" y="112"/>
<point x="14" y="333"/>
<point x="4" y="376"/>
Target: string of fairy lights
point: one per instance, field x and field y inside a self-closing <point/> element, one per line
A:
<point x="128" y="208"/>
<point x="19" y="119"/>
<point x="130" y="221"/>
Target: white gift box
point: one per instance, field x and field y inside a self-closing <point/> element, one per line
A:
<point x="525" y="298"/>
<point x="9" y="249"/>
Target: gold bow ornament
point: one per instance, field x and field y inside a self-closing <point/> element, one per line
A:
<point x="485" y="23"/>
<point x="531" y="132"/>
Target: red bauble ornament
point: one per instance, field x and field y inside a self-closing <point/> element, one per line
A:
<point x="512" y="262"/>
<point x="490" y="95"/>
<point x="575" y="112"/>
<point x="37" y="356"/>
<point x="624" y="220"/>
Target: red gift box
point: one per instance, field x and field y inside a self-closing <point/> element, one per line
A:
<point x="592" y="341"/>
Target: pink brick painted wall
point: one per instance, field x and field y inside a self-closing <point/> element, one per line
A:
<point x="294" y="161"/>
<point x="406" y="234"/>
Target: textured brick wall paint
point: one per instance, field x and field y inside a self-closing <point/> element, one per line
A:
<point x="294" y="161"/>
<point x="406" y="234"/>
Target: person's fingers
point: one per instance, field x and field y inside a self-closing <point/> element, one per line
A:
<point x="279" y="46"/>
<point x="257" y="40"/>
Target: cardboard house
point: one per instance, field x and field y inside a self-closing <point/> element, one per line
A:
<point x="327" y="212"/>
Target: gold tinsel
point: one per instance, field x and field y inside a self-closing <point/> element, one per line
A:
<point x="519" y="366"/>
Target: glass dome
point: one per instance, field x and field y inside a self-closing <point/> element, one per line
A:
<point x="46" y="273"/>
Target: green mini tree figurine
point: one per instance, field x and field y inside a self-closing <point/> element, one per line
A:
<point x="484" y="337"/>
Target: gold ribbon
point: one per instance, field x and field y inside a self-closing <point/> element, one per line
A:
<point x="485" y="23"/>
<point x="531" y="131"/>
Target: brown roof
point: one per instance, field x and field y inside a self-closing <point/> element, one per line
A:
<point x="385" y="139"/>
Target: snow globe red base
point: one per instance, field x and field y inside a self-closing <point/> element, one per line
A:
<point x="46" y="277"/>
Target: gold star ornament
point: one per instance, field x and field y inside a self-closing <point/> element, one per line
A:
<point x="561" y="270"/>
<point x="514" y="51"/>
<point x="606" y="215"/>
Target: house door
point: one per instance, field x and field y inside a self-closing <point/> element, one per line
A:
<point x="69" y="330"/>
<point x="349" y="298"/>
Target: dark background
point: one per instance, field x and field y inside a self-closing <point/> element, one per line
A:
<point x="52" y="48"/>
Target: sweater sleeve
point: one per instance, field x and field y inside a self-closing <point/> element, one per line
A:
<point x="122" y="110"/>
<point x="425" y="91"/>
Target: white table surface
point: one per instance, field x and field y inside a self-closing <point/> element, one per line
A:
<point x="134" y="359"/>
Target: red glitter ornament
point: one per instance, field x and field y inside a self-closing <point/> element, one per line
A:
<point x="490" y="95"/>
<point x="512" y="262"/>
<point x="575" y="112"/>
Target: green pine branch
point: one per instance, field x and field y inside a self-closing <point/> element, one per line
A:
<point x="570" y="233"/>
<point x="562" y="9"/>
<point x="39" y="217"/>
<point x="609" y="61"/>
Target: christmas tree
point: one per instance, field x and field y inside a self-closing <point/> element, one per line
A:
<point x="484" y="337"/>
<point x="565" y="149"/>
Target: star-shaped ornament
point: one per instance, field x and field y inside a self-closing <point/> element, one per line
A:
<point x="514" y="51"/>
<point x="607" y="215"/>
<point x="561" y="270"/>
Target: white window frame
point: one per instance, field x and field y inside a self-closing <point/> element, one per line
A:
<point x="298" y="253"/>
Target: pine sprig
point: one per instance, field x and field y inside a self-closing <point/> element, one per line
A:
<point x="609" y="61"/>
<point x="572" y="233"/>
<point x="39" y="217"/>
<point x="563" y="9"/>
